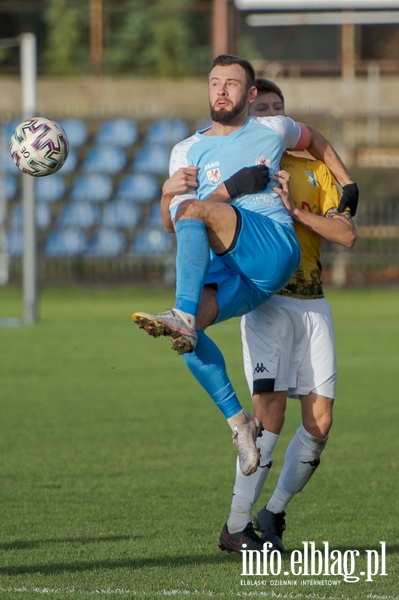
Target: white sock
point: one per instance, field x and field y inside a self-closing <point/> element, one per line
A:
<point x="247" y="489"/>
<point x="238" y="419"/>
<point x="301" y="460"/>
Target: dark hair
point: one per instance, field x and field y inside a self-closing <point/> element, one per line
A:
<point x="225" y="60"/>
<point x="265" y="86"/>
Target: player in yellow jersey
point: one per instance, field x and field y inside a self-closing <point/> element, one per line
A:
<point x="289" y="346"/>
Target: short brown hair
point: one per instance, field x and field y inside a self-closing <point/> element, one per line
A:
<point x="225" y="60"/>
<point x="265" y="86"/>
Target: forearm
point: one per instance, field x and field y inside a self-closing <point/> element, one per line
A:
<point x="183" y="182"/>
<point x="321" y="149"/>
<point x="167" y="222"/>
<point x="334" y="227"/>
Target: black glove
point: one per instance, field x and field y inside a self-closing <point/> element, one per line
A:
<point x="350" y="198"/>
<point x="248" y="180"/>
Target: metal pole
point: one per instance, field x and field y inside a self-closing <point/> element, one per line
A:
<point x="4" y="258"/>
<point x="348" y="51"/>
<point x="28" y="81"/>
<point x="373" y="104"/>
<point x="96" y="36"/>
<point x="219" y="27"/>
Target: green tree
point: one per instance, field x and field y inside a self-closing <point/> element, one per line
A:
<point x="157" y="40"/>
<point x="66" y="48"/>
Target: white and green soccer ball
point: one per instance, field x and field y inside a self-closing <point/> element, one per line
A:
<point x="39" y="146"/>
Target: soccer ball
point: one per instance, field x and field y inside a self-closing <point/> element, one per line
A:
<point x="39" y="146"/>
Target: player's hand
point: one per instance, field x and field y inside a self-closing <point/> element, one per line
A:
<point x="182" y="181"/>
<point x="349" y="199"/>
<point x="248" y="180"/>
<point x="283" y="190"/>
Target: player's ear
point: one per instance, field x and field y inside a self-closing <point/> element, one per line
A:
<point x="252" y="93"/>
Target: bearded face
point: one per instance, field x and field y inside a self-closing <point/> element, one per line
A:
<point x="227" y="116"/>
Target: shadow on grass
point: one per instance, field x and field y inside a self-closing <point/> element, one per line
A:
<point x="126" y="563"/>
<point x="140" y="563"/>
<point x="28" y="544"/>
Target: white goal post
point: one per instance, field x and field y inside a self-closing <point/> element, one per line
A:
<point x="28" y="68"/>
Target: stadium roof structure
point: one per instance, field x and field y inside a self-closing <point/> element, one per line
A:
<point x="316" y="5"/>
<point x="284" y="13"/>
<point x="323" y="12"/>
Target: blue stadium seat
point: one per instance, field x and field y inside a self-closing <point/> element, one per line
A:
<point x="14" y="243"/>
<point x="120" y="213"/>
<point x="65" y="243"/>
<point x="76" y="130"/>
<point x="152" y="242"/>
<point x="167" y="131"/>
<point x="106" y="243"/>
<point x="11" y="186"/>
<point x="71" y="162"/>
<point x="105" y="159"/>
<point x="152" y="159"/>
<point x="9" y="127"/>
<point x="96" y="187"/>
<point x="43" y="216"/>
<point x="10" y="165"/>
<point x="50" y="189"/>
<point x="15" y="218"/>
<point x="139" y="188"/>
<point x="154" y="219"/>
<point x="81" y="215"/>
<point x="117" y="132"/>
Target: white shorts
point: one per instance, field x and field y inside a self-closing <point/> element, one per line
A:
<point x="289" y="345"/>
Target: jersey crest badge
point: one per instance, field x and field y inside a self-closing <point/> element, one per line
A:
<point x="311" y="178"/>
<point x="214" y="176"/>
<point x="263" y="160"/>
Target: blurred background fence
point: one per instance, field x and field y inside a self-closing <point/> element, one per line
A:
<point x="127" y="80"/>
<point x="98" y="219"/>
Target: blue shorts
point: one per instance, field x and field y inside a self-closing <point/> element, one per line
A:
<point x="261" y="260"/>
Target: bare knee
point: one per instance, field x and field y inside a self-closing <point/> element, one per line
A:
<point x="319" y="428"/>
<point x="317" y="414"/>
<point x="269" y="408"/>
<point x="189" y="209"/>
<point x="208" y="309"/>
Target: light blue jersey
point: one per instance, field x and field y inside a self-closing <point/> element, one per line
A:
<point x="262" y="140"/>
<point x="264" y="252"/>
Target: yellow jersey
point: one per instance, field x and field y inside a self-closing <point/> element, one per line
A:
<point x="313" y="188"/>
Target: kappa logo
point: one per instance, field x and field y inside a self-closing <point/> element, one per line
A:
<point x="214" y="176"/>
<point x="266" y="466"/>
<point x="260" y="368"/>
<point x="312" y="463"/>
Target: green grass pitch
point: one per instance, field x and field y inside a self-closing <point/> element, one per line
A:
<point x="117" y="470"/>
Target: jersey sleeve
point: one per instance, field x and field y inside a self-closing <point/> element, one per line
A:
<point x="329" y="194"/>
<point x="178" y="159"/>
<point x="293" y="135"/>
<point x="305" y="138"/>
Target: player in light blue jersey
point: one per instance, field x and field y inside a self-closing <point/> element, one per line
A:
<point x="231" y="255"/>
<point x="258" y="142"/>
